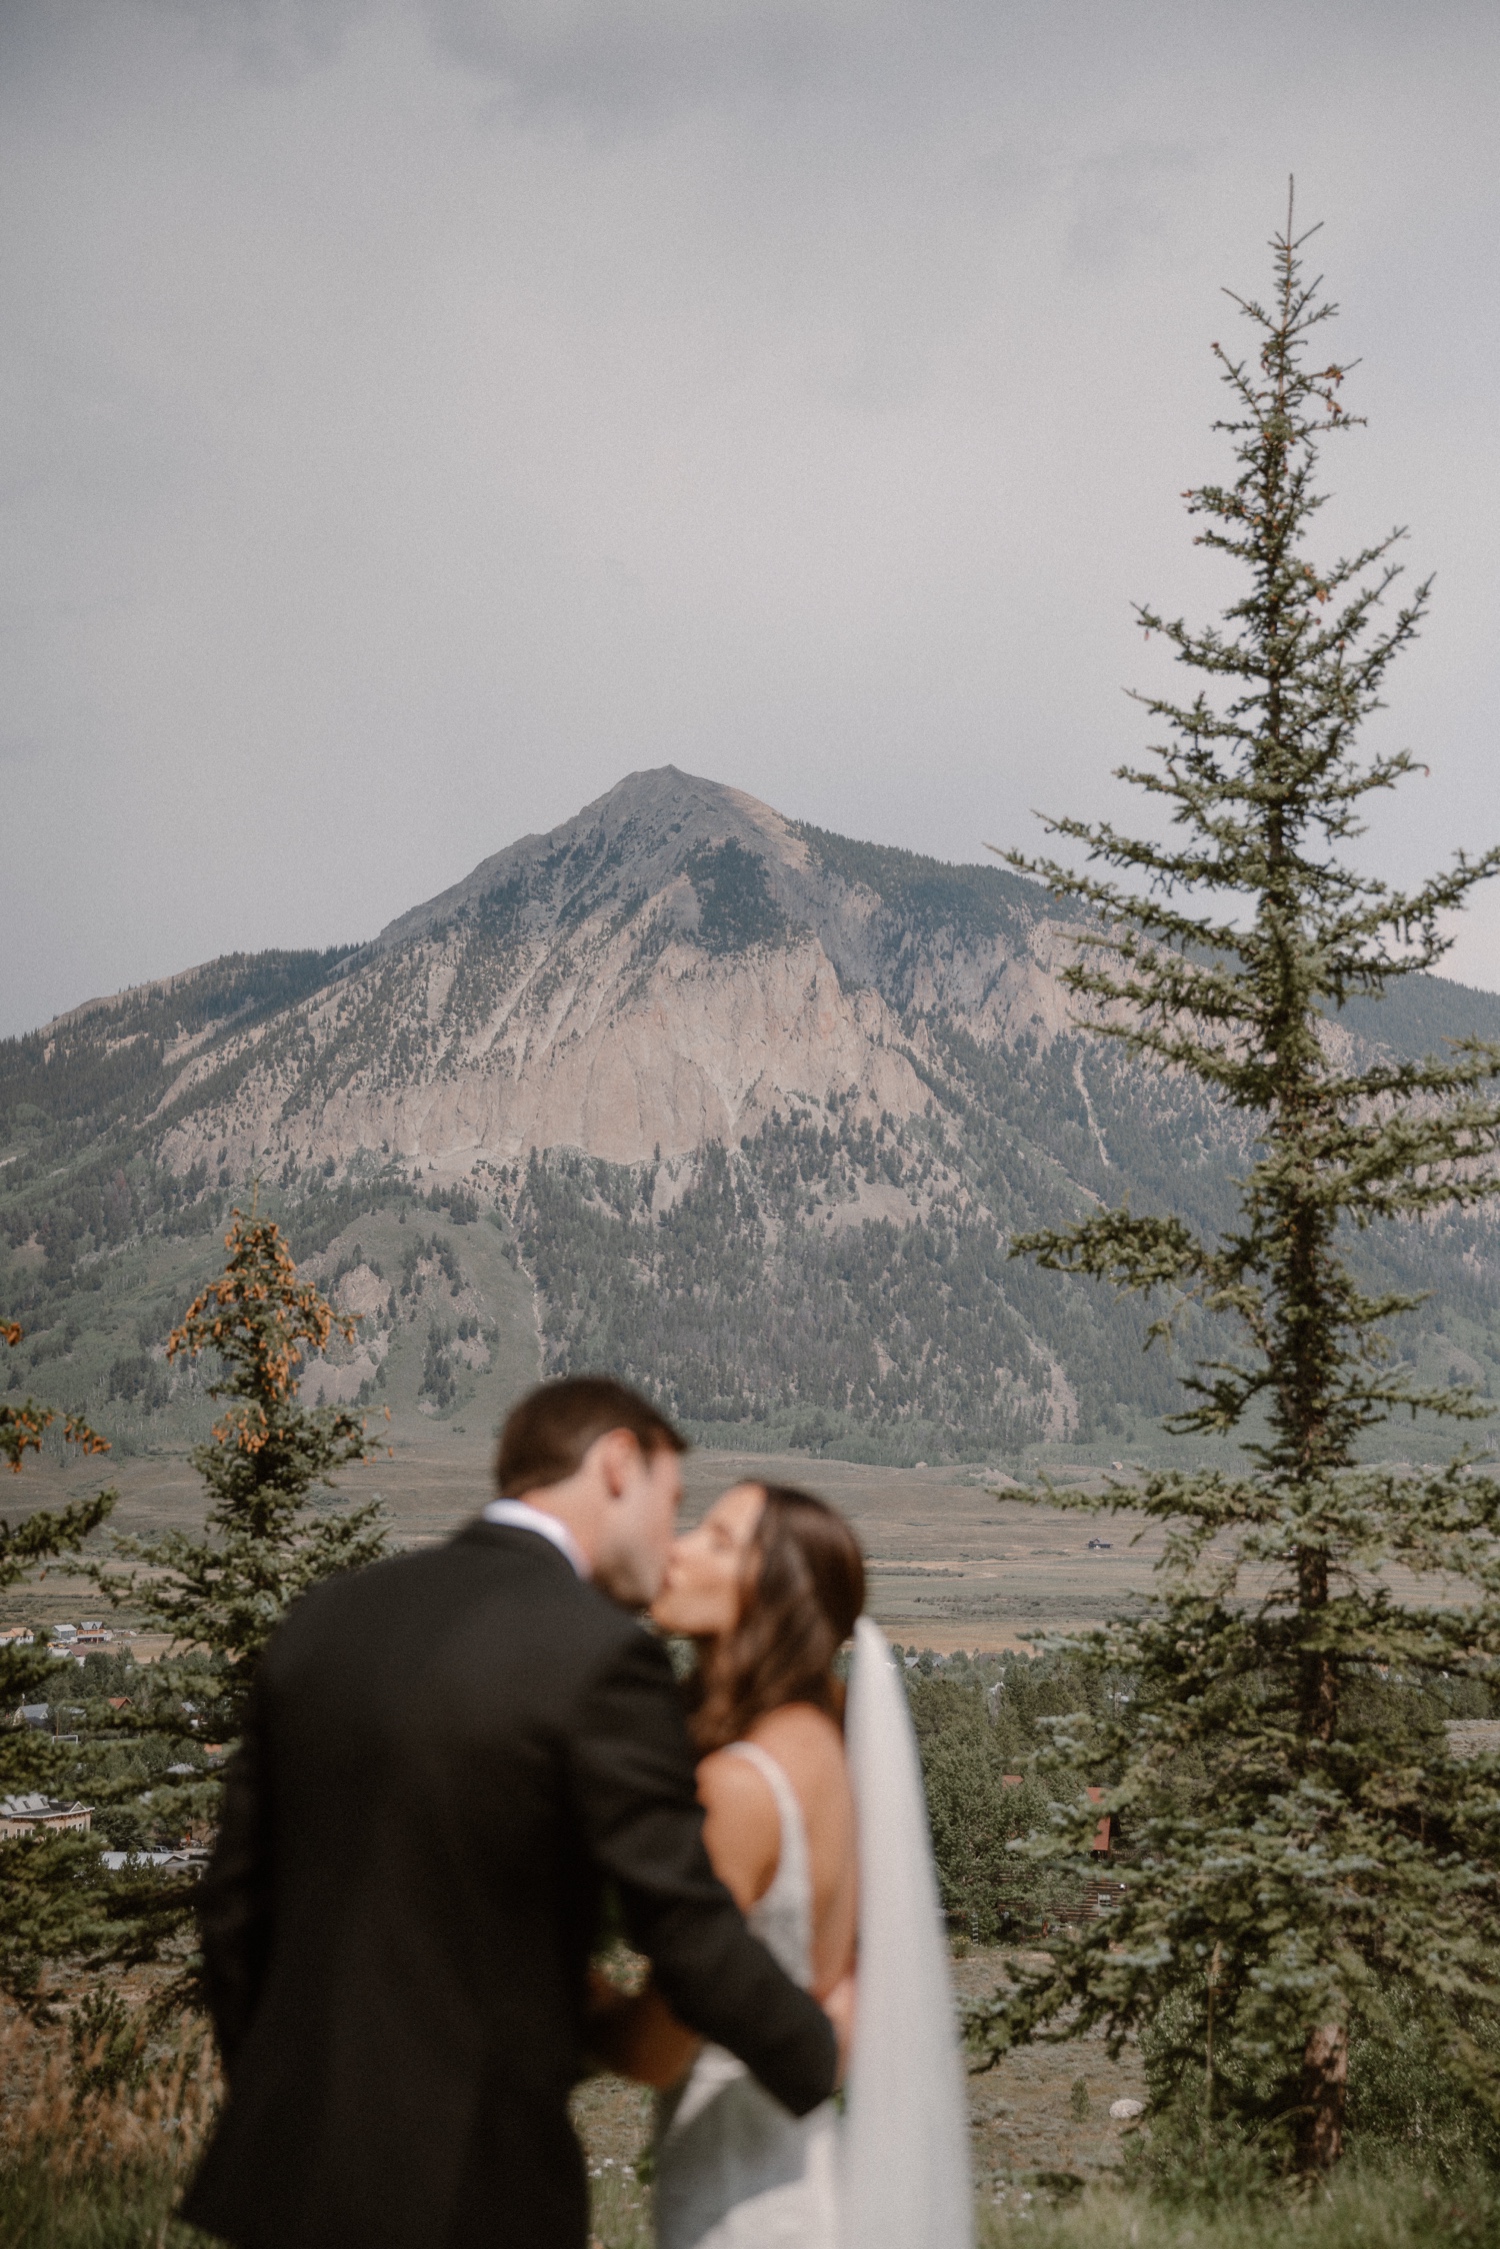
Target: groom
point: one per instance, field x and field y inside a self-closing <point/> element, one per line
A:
<point x="446" y="1759"/>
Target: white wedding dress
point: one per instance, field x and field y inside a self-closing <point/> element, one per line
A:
<point x="734" y="2170"/>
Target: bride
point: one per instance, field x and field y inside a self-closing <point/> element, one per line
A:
<point x="814" y="1821"/>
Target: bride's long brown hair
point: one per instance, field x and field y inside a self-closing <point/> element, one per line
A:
<point x="804" y="1586"/>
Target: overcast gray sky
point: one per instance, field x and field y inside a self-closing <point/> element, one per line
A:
<point x="415" y="414"/>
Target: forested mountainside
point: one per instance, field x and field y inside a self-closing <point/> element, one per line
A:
<point x="752" y="1108"/>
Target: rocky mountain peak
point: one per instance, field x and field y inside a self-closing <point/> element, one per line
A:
<point x="668" y="968"/>
<point x="631" y="842"/>
<point x="648" y="975"/>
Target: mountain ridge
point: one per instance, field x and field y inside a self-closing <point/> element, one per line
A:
<point x="752" y="1110"/>
<point x="659" y="971"/>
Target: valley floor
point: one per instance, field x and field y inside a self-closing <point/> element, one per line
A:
<point x="955" y="1560"/>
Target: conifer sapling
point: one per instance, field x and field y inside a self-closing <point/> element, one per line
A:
<point x="219" y="1597"/>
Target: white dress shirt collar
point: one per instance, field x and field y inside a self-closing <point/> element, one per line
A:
<point x="516" y="1515"/>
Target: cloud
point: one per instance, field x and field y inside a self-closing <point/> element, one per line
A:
<point x="275" y="41"/>
<point x="649" y="55"/>
<point x="1124" y="199"/>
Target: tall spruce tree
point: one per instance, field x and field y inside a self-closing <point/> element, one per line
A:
<point x="266" y="1537"/>
<point x="1307" y="1859"/>
<point x="49" y="1904"/>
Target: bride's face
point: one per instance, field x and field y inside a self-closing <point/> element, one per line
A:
<point x="703" y="1593"/>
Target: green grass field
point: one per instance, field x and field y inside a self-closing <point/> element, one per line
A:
<point x="1372" y="2208"/>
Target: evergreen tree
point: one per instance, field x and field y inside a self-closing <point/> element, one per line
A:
<point x="48" y="1885"/>
<point x="266" y="1537"/>
<point x="1307" y="1858"/>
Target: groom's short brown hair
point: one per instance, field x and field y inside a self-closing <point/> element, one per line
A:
<point x="546" y="1436"/>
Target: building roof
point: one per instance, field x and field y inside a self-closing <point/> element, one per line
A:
<point x="184" y="1859"/>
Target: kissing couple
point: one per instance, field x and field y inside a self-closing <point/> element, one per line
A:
<point x="455" y="1762"/>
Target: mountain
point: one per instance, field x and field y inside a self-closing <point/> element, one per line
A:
<point x="743" y="1109"/>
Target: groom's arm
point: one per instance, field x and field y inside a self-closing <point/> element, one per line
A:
<point x="634" y="1790"/>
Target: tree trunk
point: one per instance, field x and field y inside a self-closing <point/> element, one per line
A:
<point x="1325" y="2074"/>
<point x="1319" y="1686"/>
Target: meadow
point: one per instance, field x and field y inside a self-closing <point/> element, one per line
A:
<point x="91" y="2160"/>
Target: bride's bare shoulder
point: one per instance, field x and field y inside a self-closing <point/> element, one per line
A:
<point x="802" y="1739"/>
<point x="725" y="1779"/>
<point x="741" y="1827"/>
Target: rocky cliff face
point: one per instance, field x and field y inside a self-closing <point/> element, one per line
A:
<point x="670" y="968"/>
<point x="754" y="1109"/>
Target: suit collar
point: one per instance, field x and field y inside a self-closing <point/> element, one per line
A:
<point x="520" y="1515"/>
<point x="521" y="1543"/>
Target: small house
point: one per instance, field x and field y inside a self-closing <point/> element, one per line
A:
<point x="26" y="1815"/>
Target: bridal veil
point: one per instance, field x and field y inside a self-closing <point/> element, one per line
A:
<point x="905" y="2149"/>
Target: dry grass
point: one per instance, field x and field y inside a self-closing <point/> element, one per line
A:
<point x="97" y="2140"/>
<point x="99" y="2134"/>
<point x="1373" y="2208"/>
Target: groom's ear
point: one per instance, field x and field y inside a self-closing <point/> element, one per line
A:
<point x="617" y="1458"/>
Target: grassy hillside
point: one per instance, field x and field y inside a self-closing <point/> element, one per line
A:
<point x="453" y="1340"/>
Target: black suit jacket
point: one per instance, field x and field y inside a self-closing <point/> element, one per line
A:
<point x="445" y="1758"/>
